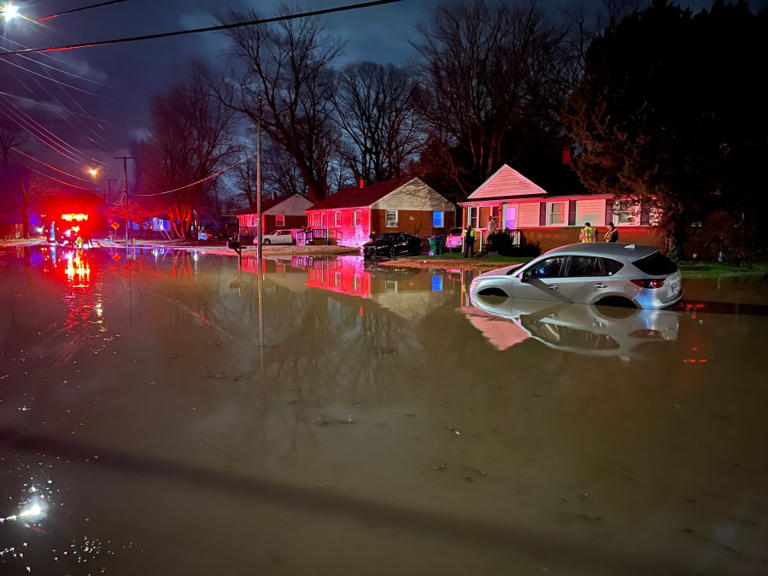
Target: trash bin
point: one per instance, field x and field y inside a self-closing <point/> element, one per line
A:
<point x="436" y="244"/>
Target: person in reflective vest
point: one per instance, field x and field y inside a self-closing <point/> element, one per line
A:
<point x="587" y="234"/>
<point x="612" y="235"/>
<point x="469" y="241"/>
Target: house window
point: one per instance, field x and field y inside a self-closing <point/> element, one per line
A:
<point x="626" y="212"/>
<point x="437" y="219"/>
<point x="322" y="220"/>
<point x="391" y="218"/>
<point x="280" y="221"/>
<point x="473" y="216"/>
<point x="358" y="218"/>
<point x="336" y="219"/>
<point x="557" y="213"/>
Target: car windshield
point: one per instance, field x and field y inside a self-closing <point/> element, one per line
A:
<point x="656" y="264"/>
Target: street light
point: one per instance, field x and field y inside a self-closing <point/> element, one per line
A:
<point x="93" y="172"/>
<point x="9" y="11"/>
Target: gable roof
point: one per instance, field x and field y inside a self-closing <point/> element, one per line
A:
<point x="505" y="183"/>
<point x="354" y="197"/>
<point x="270" y="204"/>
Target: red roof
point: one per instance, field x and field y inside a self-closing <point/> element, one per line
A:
<point x="354" y="197"/>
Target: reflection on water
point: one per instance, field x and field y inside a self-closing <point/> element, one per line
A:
<point x="577" y="328"/>
<point x="172" y="413"/>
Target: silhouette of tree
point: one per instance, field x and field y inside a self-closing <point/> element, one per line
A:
<point x="375" y="110"/>
<point x="492" y="82"/>
<point x="680" y="120"/>
<point x="287" y="86"/>
<point x="192" y="139"/>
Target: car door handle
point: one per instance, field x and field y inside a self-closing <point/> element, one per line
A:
<point x="601" y="285"/>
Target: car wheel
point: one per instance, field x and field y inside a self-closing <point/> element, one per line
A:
<point x="266" y="242"/>
<point x="392" y="252"/>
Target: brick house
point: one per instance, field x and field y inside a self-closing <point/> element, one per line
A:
<point x="516" y="203"/>
<point x="278" y="214"/>
<point x="406" y="204"/>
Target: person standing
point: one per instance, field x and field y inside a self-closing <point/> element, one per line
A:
<point x="469" y="241"/>
<point x="492" y="227"/>
<point x="612" y="235"/>
<point x="587" y="234"/>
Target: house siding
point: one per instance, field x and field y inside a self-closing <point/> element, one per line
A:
<point x="548" y="238"/>
<point x="417" y="222"/>
<point x="592" y="211"/>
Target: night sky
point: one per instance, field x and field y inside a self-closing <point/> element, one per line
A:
<point x="126" y="76"/>
<point x="123" y="78"/>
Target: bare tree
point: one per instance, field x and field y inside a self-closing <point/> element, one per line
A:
<point x="191" y="140"/>
<point x="10" y="137"/>
<point x="375" y="109"/>
<point x="487" y="72"/>
<point x="287" y="87"/>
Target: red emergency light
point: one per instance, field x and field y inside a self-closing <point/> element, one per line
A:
<point x="74" y="217"/>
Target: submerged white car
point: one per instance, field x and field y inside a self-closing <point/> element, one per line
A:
<point x="602" y="273"/>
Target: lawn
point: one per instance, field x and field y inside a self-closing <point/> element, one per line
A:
<point x="448" y="256"/>
<point x="698" y="269"/>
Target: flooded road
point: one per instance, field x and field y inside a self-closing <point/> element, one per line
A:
<point x="175" y="415"/>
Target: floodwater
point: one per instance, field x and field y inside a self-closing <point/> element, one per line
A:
<point x="170" y="414"/>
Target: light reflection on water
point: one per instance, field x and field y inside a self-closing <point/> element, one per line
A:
<point x="304" y="415"/>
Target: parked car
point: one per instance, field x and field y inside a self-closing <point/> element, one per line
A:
<point x="453" y="239"/>
<point x="391" y="244"/>
<point x="580" y="328"/>
<point x="276" y="237"/>
<point x="601" y="273"/>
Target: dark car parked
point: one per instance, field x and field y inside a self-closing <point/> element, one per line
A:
<point x="391" y="244"/>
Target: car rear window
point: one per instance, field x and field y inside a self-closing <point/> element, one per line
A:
<point x="656" y="264"/>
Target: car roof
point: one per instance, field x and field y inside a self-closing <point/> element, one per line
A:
<point x="606" y="249"/>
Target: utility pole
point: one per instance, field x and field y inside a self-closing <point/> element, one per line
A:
<point x="125" y="172"/>
<point x="109" y="188"/>
<point x="258" y="184"/>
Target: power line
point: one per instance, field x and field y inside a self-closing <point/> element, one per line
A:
<point x="216" y="175"/>
<point x="55" y="179"/>
<point x="48" y="165"/>
<point x="89" y="7"/>
<point x="230" y="26"/>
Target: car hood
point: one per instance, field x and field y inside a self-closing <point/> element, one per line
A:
<point x="501" y="271"/>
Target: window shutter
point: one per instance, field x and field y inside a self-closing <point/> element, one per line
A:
<point x="542" y="213"/>
<point x="571" y="212"/>
<point x="645" y="214"/>
<point x="608" y="211"/>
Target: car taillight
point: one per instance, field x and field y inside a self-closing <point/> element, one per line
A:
<point x="650" y="284"/>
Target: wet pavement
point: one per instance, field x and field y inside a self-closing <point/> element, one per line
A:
<point x="171" y="414"/>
